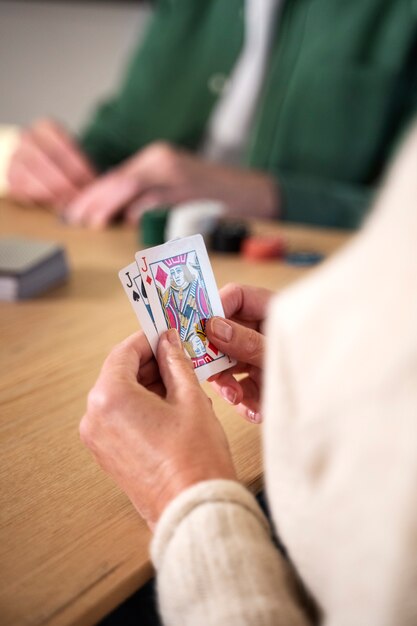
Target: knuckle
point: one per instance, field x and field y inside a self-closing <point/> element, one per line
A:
<point x="162" y="151"/>
<point x="253" y="342"/>
<point x="168" y="160"/>
<point x="179" y="361"/>
<point x="182" y="367"/>
<point x="101" y="401"/>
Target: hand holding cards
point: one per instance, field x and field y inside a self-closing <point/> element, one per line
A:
<point x="173" y="286"/>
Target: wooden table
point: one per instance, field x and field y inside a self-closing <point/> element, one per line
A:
<point x="71" y="545"/>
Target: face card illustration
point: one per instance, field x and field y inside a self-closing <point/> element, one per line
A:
<point x="183" y="294"/>
<point x="135" y="290"/>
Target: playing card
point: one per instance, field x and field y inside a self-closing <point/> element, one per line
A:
<point x="183" y="294"/>
<point x="135" y="290"/>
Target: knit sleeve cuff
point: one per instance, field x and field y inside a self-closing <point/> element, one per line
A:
<point x="201" y="494"/>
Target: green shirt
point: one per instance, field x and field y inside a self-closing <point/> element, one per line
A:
<point x="339" y="91"/>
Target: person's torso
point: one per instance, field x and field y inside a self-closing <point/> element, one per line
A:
<point x="340" y="83"/>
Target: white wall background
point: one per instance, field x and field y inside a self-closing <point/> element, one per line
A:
<point x="60" y="58"/>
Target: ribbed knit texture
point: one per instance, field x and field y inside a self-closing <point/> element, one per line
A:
<point x="217" y="564"/>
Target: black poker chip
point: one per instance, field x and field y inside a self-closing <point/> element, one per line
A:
<point x="228" y="236"/>
<point x="303" y="258"/>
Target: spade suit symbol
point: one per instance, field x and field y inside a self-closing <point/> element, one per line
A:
<point x="136" y="296"/>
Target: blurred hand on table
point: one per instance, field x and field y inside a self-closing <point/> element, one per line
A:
<point x="50" y="168"/>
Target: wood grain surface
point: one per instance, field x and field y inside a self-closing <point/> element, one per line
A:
<point x="72" y="547"/>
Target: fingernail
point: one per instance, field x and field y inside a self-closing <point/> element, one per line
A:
<point x="254" y="417"/>
<point x="173" y="337"/>
<point x="222" y="329"/>
<point x="229" y="394"/>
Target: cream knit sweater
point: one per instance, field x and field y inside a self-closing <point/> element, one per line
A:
<point x="340" y="443"/>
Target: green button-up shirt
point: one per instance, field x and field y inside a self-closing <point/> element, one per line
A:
<point x="340" y="88"/>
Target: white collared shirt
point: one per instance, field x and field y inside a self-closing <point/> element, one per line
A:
<point x="230" y="123"/>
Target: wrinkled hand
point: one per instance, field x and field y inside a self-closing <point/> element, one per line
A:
<point x="163" y="175"/>
<point x="240" y="337"/>
<point x="47" y="167"/>
<point x="150" y="425"/>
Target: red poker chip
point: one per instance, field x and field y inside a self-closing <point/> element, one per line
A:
<point x="260" y="247"/>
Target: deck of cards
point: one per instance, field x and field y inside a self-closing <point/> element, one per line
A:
<point x="173" y="286"/>
<point x="29" y="267"/>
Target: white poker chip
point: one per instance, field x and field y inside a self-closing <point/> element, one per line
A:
<point x="191" y="218"/>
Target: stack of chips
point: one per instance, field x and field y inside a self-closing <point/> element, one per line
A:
<point x="229" y="236"/>
<point x="191" y="218"/>
<point x="260" y="248"/>
<point x="304" y="258"/>
<point x="153" y="225"/>
<point x="221" y="234"/>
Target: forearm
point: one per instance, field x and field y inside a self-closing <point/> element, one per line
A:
<point x="103" y="140"/>
<point x="216" y="562"/>
<point x="115" y="130"/>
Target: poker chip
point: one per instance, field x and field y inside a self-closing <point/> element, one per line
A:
<point x="303" y="258"/>
<point x="152" y="226"/>
<point x="190" y="218"/>
<point x="263" y="247"/>
<point x="228" y="236"/>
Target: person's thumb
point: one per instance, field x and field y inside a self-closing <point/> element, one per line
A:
<point x="175" y="367"/>
<point x="237" y="341"/>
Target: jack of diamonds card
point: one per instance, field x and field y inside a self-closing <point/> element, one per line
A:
<point x="183" y="294"/>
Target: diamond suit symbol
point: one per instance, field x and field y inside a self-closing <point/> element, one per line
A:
<point x="161" y="276"/>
